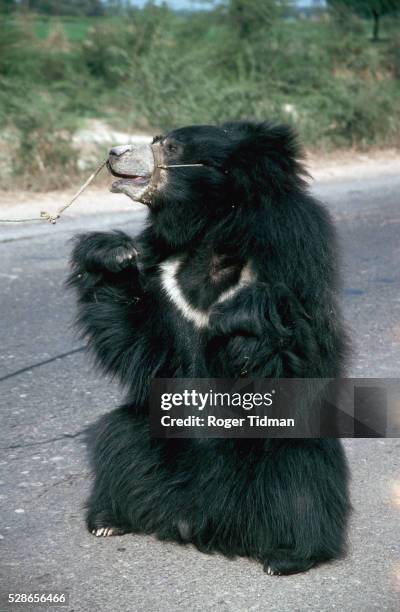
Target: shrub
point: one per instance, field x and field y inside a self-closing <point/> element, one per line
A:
<point x="154" y="69"/>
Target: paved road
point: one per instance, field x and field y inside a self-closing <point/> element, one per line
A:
<point x="50" y="393"/>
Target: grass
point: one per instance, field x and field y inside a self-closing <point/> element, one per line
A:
<point x="76" y="28"/>
<point x="157" y="70"/>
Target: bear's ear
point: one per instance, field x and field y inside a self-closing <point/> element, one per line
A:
<point x="264" y="156"/>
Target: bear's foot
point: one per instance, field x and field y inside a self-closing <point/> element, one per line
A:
<point x="103" y="524"/>
<point x="107" y="531"/>
<point x="283" y="563"/>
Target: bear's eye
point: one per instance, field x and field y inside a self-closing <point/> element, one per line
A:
<point x="171" y="147"/>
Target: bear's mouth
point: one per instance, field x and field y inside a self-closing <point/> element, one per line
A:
<point x="133" y="166"/>
<point x="136" y="179"/>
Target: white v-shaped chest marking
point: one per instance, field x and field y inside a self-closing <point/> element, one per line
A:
<point x="200" y="318"/>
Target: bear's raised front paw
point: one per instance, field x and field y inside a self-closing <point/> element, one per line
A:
<point x="103" y="251"/>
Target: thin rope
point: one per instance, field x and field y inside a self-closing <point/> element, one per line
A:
<point x="179" y="166"/>
<point x="46" y="216"/>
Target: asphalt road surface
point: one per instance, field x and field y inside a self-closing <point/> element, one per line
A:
<point x="50" y="393"/>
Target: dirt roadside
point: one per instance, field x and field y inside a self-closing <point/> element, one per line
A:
<point x="323" y="168"/>
<point x="343" y="165"/>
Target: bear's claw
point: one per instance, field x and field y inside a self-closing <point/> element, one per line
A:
<point x="107" y="531"/>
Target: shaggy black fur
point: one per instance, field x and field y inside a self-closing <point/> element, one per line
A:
<point x="284" y="502"/>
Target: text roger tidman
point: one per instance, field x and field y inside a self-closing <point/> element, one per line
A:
<point x="199" y="400"/>
<point x="227" y="423"/>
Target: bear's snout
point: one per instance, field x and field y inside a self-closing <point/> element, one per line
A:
<point x="133" y="164"/>
<point x="119" y="150"/>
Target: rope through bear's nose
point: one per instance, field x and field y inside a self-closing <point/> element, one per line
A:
<point x="165" y="166"/>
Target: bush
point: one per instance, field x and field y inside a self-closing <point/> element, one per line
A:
<point x="44" y="158"/>
<point x="351" y="114"/>
<point x="154" y="70"/>
<point x="392" y="57"/>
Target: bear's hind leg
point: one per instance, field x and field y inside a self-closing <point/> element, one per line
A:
<point x="127" y="493"/>
<point x="104" y="514"/>
<point x="309" y="505"/>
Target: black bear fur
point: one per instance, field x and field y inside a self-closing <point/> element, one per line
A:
<point x="281" y="501"/>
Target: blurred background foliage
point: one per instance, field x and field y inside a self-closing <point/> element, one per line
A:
<point x="151" y="69"/>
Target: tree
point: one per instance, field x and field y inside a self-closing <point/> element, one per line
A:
<point x="251" y="16"/>
<point x="90" y="8"/>
<point x="371" y="9"/>
<point x="7" y="6"/>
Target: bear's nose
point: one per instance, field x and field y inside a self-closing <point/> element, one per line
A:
<point x="120" y="150"/>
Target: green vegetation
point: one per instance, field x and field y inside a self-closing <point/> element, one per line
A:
<point x="371" y="9"/>
<point x="154" y="69"/>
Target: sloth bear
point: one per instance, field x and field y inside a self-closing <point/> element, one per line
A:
<point x="233" y="275"/>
